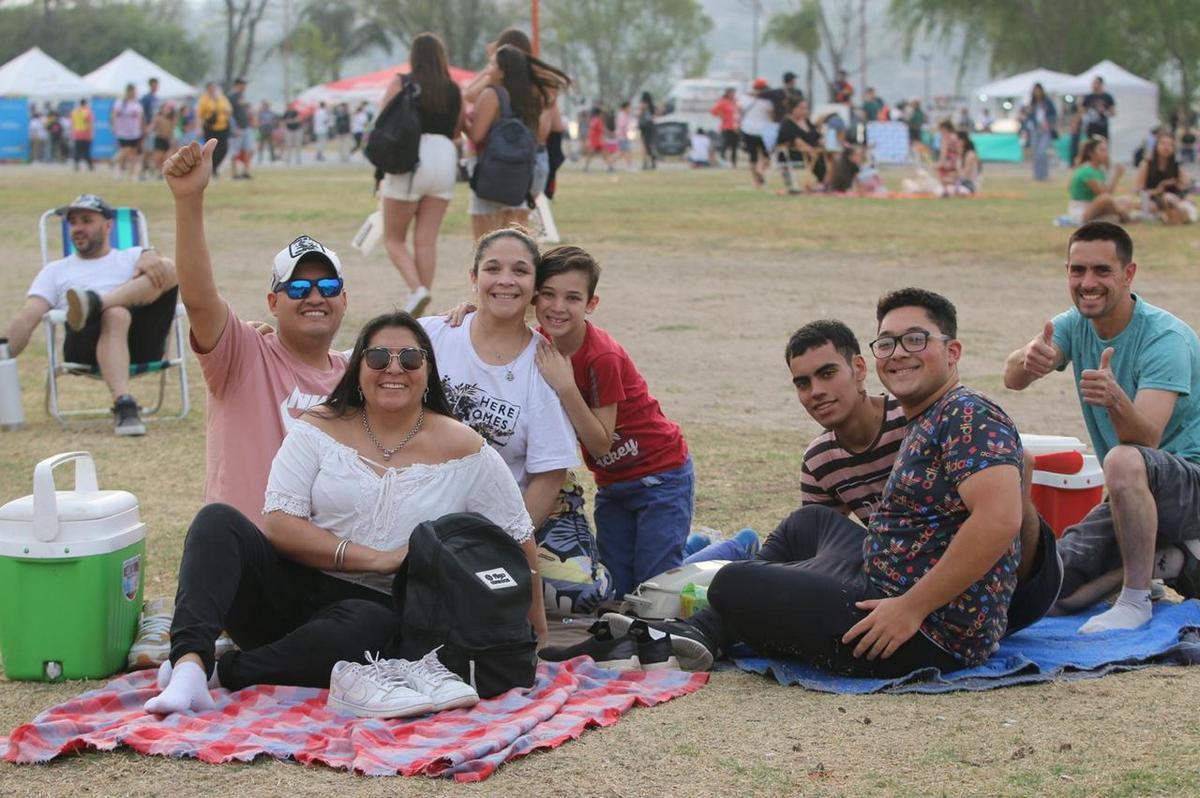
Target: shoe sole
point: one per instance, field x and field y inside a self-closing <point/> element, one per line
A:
<point x="419" y="308"/>
<point x="76" y="310"/>
<point x="364" y="712"/>
<point x="671" y="664"/>
<point x="462" y="702"/>
<point x="692" y="654"/>
<point x="143" y="660"/>
<point x="129" y="431"/>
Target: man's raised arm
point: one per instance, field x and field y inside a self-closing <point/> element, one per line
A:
<point x="1033" y="361"/>
<point x="187" y="173"/>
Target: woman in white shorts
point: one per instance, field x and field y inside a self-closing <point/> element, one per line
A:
<point x="424" y="193"/>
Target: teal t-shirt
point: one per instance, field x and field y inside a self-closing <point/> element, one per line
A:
<point x="1155" y="350"/>
<point x="1079" y="182"/>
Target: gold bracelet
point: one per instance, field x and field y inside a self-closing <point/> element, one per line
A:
<point x="339" y="554"/>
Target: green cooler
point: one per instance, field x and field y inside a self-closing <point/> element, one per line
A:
<point x="72" y="566"/>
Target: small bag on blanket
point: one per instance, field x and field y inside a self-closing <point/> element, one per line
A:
<point x="467" y="589"/>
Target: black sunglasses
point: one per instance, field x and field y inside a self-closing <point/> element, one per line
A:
<point x="380" y="357"/>
<point x="300" y="288"/>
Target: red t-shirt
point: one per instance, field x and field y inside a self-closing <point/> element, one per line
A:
<point x="645" y="441"/>
<point x="596" y="133"/>
<point x="726" y="109"/>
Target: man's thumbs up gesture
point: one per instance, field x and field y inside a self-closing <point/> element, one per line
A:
<point x="1041" y="356"/>
<point x="1098" y="386"/>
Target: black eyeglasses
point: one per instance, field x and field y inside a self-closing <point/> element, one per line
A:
<point x="300" y="289"/>
<point x="884" y="346"/>
<point x="380" y="357"/>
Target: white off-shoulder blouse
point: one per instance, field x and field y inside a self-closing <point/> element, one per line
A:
<point x="316" y="477"/>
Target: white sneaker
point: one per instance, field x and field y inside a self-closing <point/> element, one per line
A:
<point x="152" y="645"/>
<point x="374" y="690"/>
<point x="418" y="301"/>
<point x="429" y="677"/>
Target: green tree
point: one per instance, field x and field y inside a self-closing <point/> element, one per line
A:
<point x="329" y="34"/>
<point x="465" y="26"/>
<point x="612" y="48"/>
<point x="800" y="30"/>
<point x="1154" y="38"/>
<point x="85" y="36"/>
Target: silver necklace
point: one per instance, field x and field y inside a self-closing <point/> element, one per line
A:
<point x="387" y="453"/>
<point x="508" y="372"/>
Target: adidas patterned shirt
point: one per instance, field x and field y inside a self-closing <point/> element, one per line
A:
<point x="961" y="434"/>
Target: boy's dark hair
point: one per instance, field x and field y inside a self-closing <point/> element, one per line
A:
<point x="821" y="332"/>
<point x="563" y="259"/>
<point x="939" y="309"/>
<point x="1105" y="231"/>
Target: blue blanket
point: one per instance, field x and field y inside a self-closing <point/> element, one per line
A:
<point x="1049" y="650"/>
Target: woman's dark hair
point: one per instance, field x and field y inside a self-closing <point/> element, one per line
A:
<point x="431" y="71"/>
<point x="649" y="101"/>
<point x="968" y="146"/>
<point x="345" y="399"/>
<point x="530" y="82"/>
<point x="1089" y="147"/>
<point x="1033" y="95"/>
<point x="514" y="231"/>
<point x="517" y="38"/>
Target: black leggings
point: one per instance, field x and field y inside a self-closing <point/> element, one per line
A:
<point x="292" y="622"/>
<point x="797" y="600"/>
<point x="222" y="147"/>
<point x="729" y="146"/>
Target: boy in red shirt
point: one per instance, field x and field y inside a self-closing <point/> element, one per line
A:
<point x="638" y="457"/>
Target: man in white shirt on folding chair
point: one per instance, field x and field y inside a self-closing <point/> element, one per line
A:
<point x="119" y="303"/>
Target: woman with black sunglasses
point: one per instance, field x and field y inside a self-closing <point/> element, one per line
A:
<point x="352" y="480"/>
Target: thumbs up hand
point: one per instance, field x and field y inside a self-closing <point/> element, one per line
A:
<point x="1041" y="356"/>
<point x="1098" y="386"/>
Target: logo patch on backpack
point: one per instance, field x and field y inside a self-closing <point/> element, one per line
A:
<point x="496" y="578"/>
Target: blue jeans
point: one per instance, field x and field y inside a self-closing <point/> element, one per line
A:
<point x="641" y="525"/>
<point x="1040" y="142"/>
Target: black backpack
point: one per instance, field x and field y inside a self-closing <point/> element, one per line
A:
<point x="504" y="171"/>
<point x="394" y="144"/>
<point x="466" y="586"/>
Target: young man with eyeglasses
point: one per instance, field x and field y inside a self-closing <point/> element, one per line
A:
<point x="928" y="583"/>
<point x="1137" y="369"/>
<point x="257" y="385"/>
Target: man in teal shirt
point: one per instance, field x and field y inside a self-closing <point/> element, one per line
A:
<point x="1137" y="368"/>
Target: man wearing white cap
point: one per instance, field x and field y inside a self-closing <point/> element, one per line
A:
<point x="119" y="303"/>
<point x="257" y="384"/>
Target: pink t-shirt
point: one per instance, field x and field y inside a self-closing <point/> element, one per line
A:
<point x="256" y="389"/>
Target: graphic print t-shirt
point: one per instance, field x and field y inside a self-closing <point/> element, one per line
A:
<point x="521" y="418"/>
<point x="961" y="434"/>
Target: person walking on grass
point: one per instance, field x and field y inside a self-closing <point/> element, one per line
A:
<point x="419" y="198"/>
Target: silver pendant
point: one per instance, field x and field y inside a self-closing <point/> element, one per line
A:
<point x="509" y="377"/>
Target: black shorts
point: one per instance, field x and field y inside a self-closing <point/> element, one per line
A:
<point x="135" y="144"/>
<point x="755" y="146"/>
<point x="147" y="333"/>
<point x="162" y="145"/>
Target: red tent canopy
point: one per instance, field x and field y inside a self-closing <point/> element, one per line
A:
<point x="368" y="87"/>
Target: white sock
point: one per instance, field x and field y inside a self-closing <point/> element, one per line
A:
<point x="187" y="688"/>
<point x="1132" y="610"/>
<point x="164" y="677"/>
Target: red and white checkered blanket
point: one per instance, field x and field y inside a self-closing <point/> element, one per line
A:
<point x="293" y="722"/>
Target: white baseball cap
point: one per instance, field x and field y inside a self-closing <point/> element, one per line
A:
<point x="303" y="248"/>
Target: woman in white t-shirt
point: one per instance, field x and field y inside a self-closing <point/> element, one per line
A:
<point x="491" y="380"/>
<point x="128" y="126"/>
<point x="351" y="481"/>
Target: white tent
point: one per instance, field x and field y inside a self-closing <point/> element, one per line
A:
<point x="1021" y="86"/>
<point x="133" y="67"/>
<point x="39" y="77"/>
<point x="1137" y="106"/>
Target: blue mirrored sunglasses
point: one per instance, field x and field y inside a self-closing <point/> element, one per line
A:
<point x="300" y="289"/>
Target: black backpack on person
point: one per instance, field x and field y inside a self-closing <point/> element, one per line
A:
<point x="466" y="586"/>
<point x="394" y="144"/>
<point x="504" y="171"/>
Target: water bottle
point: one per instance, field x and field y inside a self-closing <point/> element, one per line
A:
<point x="12" y="414"/>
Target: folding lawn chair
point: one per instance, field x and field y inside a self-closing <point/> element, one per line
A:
<point x="128" y="230"/>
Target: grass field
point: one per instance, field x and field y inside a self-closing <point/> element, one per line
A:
<point x="703" y="280"/>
